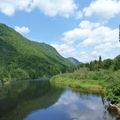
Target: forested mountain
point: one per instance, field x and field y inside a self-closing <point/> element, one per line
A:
<point x="21" y="58"/>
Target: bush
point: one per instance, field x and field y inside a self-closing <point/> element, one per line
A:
<point x="4" y="75"/>
<point x="113" y="93"/>
<point x="19" y="74"/>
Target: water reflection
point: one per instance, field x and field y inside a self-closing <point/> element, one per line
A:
<point x="73" y="106"/>
<point x="40" y="101"/>
<point x="18" y="100"/>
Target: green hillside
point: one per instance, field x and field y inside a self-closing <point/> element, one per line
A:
<point x="74" y="61"/>
<point x="21" y="58"/>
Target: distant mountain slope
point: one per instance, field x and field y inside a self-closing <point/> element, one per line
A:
<point x="23" y="58"/>
<point x="73" y="60"/>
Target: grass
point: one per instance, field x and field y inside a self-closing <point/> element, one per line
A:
<point x="78" y="80"/>
<point x="102" y="81"/>
<point x="82" y="85"/>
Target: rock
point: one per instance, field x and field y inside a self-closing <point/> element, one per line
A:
<point x="115" y="110"/>
<point x="118" y="118"/>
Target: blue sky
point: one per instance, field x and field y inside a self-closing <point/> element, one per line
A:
<point x="76" y="28"/>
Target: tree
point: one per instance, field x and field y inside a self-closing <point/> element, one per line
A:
<point x="107" y="63"/>
<point x="100" y="62"/>
<point x="4" y="76"/>
<point x="100" y="59"/>
<point x="117" y="63"/>
<point x="19" y="74"/>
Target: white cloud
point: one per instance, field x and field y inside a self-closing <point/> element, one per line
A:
<point x="89" y="41"/>
<point x="56" y="7"/>
<point x="87" y="24"/>
<point x="104" y="8"/>
<point x="22" y="30"/>
<point x="72" y="105"/>
<point x="65" y="8"/>
<point x="9" y="7"/>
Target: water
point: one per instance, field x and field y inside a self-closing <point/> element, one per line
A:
<point x="40" y="101"/>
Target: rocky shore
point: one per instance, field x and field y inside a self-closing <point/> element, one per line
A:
<point x="115" y="110"/>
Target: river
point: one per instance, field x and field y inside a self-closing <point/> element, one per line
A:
<point x="38" y="100"/>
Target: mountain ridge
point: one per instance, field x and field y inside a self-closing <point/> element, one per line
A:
<point x="74" y="60"/>
<point x="29" y="58"/>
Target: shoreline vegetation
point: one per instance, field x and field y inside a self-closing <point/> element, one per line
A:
<point x="98" y="82"/>
<point x="95" y="77"/>
<point x="84" y="85"/>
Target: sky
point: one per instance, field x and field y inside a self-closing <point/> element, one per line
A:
<point x="83" y="29"/>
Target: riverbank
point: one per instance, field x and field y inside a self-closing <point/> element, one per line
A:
<point x="86" y="85"/>
<point x="81" y="79"/>
<point x="104" y="81"/>
<point x="82" y="85"/>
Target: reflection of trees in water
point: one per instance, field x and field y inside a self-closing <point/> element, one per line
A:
<point x="20" y="99"/>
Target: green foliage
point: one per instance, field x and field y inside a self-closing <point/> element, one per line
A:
<point x="107" y="63"/>
<point x="80" y="79"/>
<point x="4" y="76"/>
<point x="113" y="93"/>
<point x="19" y="74"/>
<point x="23" y="59"/>
<point x="102" y="80"/>
<point x="117" y="63"/>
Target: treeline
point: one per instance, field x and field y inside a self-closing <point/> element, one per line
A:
<point x="24" y="68"/>
<point x="113" y="64"/>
